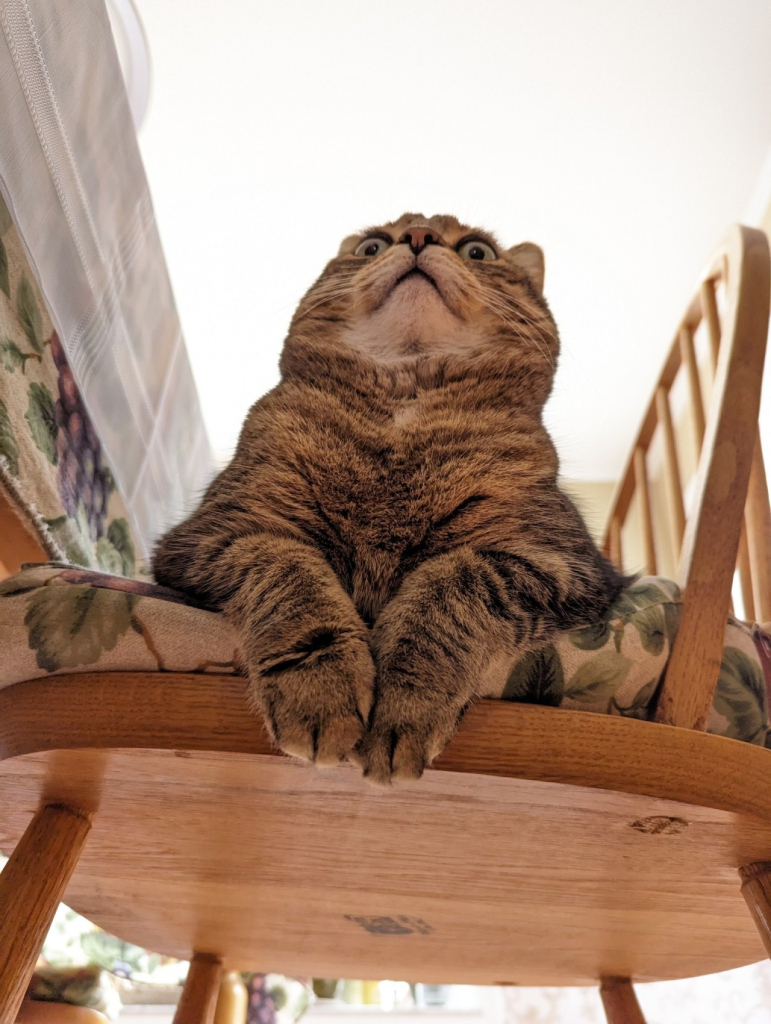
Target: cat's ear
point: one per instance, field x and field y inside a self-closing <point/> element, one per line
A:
<point x="348" y="245"/>
<point x="529" y="257"/>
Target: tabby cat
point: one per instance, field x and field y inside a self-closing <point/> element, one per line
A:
<point x="389" y="536"/>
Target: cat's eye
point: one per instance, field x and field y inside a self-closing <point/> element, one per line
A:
<point x="373" y="246"/>
<point x="476" y="249"/>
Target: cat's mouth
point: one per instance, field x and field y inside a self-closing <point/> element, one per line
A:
<point x="411" y="285"/>
<point x="416" y="272"/>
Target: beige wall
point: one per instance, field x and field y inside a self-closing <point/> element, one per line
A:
<point x="592" y="498"/>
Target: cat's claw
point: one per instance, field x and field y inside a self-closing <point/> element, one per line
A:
<point x="387" y="758"/>
<point x="326" y="744"/>
<point x="318" y="711"/>
<point x="399" y="747"/>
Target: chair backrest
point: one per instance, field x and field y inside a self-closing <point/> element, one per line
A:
<point x="718" y="521"/>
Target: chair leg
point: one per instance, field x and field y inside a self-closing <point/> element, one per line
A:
<point x="232" y="1001"/>
<point x="199" y="995"/>
<point x="756" y="889"/>
<point x="620" y="1002"/>
<point x="32" y="885"/>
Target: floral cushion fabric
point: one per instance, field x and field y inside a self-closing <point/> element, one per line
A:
<point x="57" y="618"/>
<point x="52" y="466"/>
<point x="80" y="986"/>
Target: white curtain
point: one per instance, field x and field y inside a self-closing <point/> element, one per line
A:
<point x="72" y="177"/>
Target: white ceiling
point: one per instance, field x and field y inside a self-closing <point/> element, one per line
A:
<point x="622" y="137"/>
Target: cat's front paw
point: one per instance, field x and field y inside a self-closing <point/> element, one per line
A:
<point x="317" y="698"/>
<point x="410" y="726"/>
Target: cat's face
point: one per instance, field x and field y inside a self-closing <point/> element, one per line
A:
<point x="431" y="286"/>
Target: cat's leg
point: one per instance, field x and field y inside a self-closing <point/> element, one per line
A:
<point x="305" y="647"/>
<point x="453" y="616"/>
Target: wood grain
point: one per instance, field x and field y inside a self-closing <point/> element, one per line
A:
<point x="106" y="711"/>
<point x="527" y="856"/>
<point x="31" y="886"/>
<point x="709" y="553"/>
<point x="614" y="550"/>
<point x="688" y="357"/>
<point x="674" y="484"/>
<point x="620" y="1002"/>
<point x="200" y="991"/>
<point x="744" y="566"/>
<point x="646" y="517"/>
<point x="758" y="526"/>
<point x="17" y="545"/>
<point x="711" y="318"/>
<point x="756" y="889"/>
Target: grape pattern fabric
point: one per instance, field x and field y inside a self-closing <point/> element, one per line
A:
<point x="52" y="465"/>
<point x="57" y="618"/>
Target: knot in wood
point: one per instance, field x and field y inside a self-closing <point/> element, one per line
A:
<point x="660" y="825"/>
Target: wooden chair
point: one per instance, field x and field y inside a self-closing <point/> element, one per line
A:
<point x="17" y="545"/>
<point x="545" y="846"/>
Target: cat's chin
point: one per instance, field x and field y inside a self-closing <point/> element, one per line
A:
<point x="414" y="320"/>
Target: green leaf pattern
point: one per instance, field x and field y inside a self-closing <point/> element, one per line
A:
<point x="28" y="312"/>
<point x="119" y="536"/>
<point x="615" y="666"/>
<point x="41" y="417"/>
<point x="536" y="679"/>
<point x="11" y="355"/>
<point x="639" y="704"/>
<point x="612" y="665"/>
<point x="591" y="638"/>
<point x="73" y="626"/>
<point x="740" y="697"/>
<point x="598" y="679"/>
<point x="9" y="449"/>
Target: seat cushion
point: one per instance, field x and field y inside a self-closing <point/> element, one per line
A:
<point x="55" y="618"/>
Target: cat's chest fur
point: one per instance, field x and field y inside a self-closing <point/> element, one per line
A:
<point x="404" y="412"/>
<point x="380" y="481"/>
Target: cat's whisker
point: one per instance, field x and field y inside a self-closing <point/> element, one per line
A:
<point x="516" y="310"/>
<point x="500" y="310"/>
<point x="336" y="290"/>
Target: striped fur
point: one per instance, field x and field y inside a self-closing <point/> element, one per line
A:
<point x="390" y="535"/>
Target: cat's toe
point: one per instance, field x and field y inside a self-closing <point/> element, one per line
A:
<point x="337" y="739"/>
<point x="373" y="755"/>
<point x="411" y="756"/>
<point x="296" y="741"/>
<point x="324" y="743"/>
<point x="405" y="736"/>
<point x="318" y="712"/>
<point x="389" y="755"/>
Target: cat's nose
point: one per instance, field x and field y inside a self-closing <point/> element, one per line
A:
<point x="418" y="238"/>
